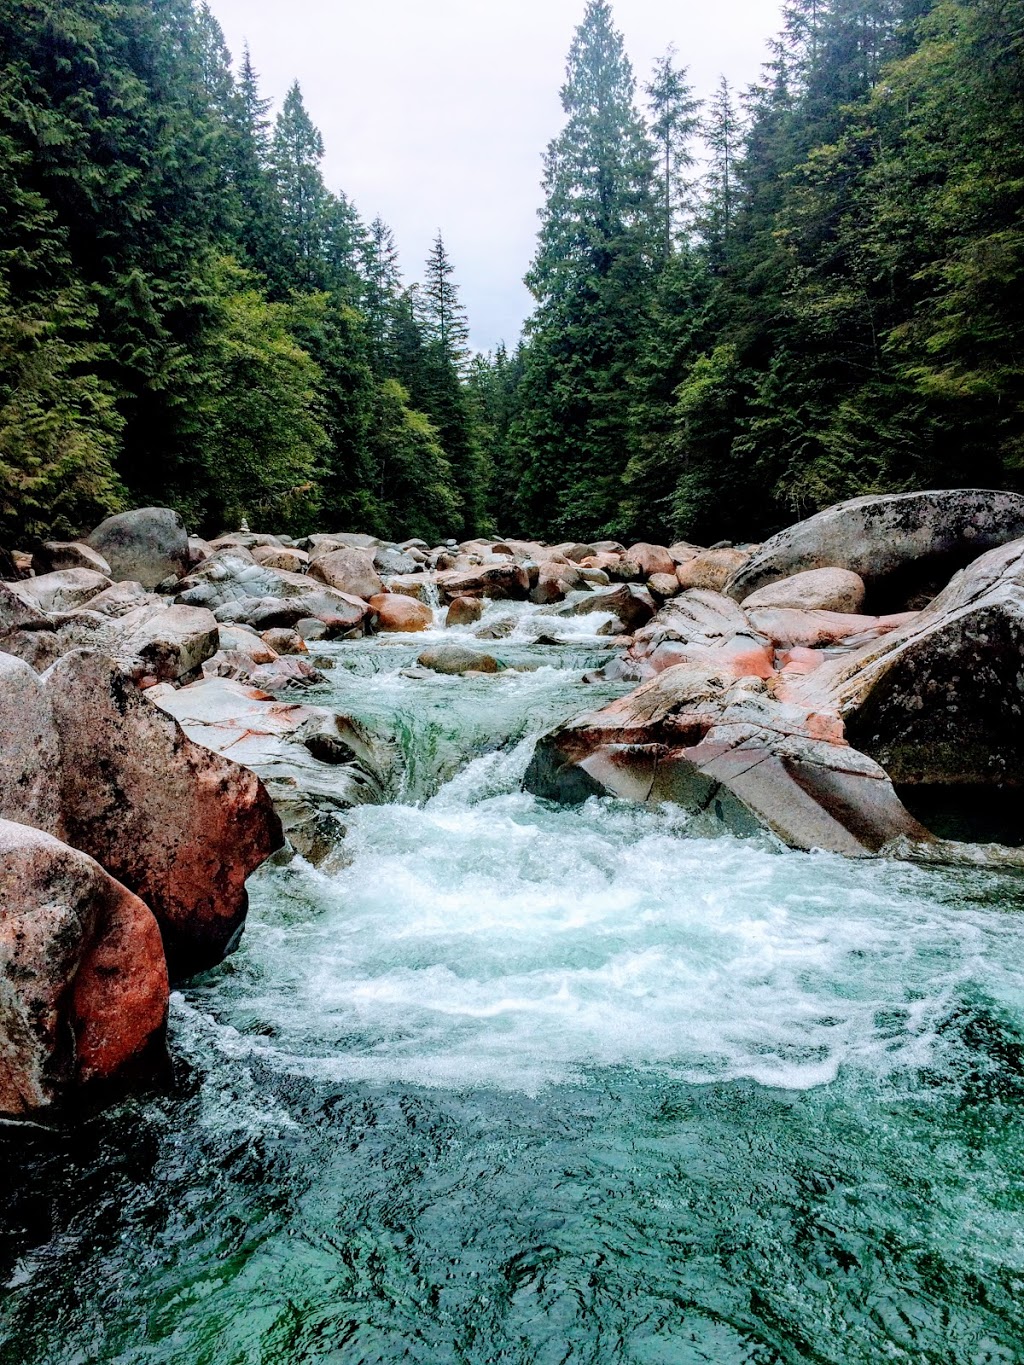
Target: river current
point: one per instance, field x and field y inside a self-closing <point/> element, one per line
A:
<point x="507" y="1082"/>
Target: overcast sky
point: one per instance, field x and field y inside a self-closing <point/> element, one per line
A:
<point x="435" y="113"/>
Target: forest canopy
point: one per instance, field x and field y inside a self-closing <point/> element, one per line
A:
<point x="746" y="308"/>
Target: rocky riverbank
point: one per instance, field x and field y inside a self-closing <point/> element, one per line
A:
<point x="158" y="747"/>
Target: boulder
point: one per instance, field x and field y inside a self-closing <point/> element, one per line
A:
<point x="65" y="590"/>
<point x="83" y="981"/>
<point x="281" y="674"/>
<point x="400" y="614"/>
<point x="652" y="559"/>
<point x="711" y="569"/>
<point x="316" y="765"/>
<point x="663" y="586"/>
<point x="905" y="546"/>
<point x="55" y="555"/>
<point x="389" y="560"/>
<point x="631" y="607"/>
<point x="242" y="640"/>
<point x="453" y="659"/>
<point x="499" y="581"/>
<point x="465" y="611"/>
<point x="284" y="642"/>
<point x="199" y="550"/>
<point x="146" y="545"/>
<point x="281" y="557"/>
<point x="574" y="552"/>
<point x="170" y="642"/>
<point x="701" y="628"/>
<point x="181" y="827"/>
<point x="734" y="757"/>
<point x="940" y="700"/>
<point x="419" y="586"/>
<point x="349" y="571"/>
<point x="682" y="552"/>
<point x="814" y="590"/>
<point x="121" y="598"/>
<point x="239" y="591"/>
<point x="555" y="581"/>
<point x="789" y="629"/>
<point x="29" y="749"/>
<point x="355" y="540"/>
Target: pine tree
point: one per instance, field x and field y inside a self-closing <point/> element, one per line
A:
<point x="296" y="152"/>
<point x="443" y="315"/>
<point x="674" y="122"/>
<point x="382" y="286"/>
<point x="723" y="138"/>
<point x="258" y="233"/>
<point x="598" y="240"/>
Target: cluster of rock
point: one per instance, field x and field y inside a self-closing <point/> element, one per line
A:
<point x="152" y="758"/>
<point x="777" y="704"/>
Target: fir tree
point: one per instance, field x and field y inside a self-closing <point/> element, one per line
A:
<point x="296" y="152"/>
<point x="674" y="122"/>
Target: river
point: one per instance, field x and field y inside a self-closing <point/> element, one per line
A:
<point x="505" y="1082"/>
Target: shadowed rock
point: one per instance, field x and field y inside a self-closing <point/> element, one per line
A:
<point x="146" y="545"/>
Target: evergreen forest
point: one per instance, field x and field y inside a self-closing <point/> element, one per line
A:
<point x="747" y="306"/>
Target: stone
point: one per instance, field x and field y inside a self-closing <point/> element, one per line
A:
<point x="464" y="611"/>
<point x="389" y="560"/>
<point x="281" y="557"/>
<point x="701" y="628"/>
<point x="354" y="540"/>
<point x="663" y="585"/>
<point x="242" y="640"/>
<point x="349" y="571"/>
<point x="453" y="659"/>
<point x="652" y="559"/>
<point x="315" y="764"/>
<point x="121" y="598"/>
<point x="788" y="628"/>
<point x="631" y="607"/>
<point x="199" y="550"/>
<point x="309" y="628"/>
<point x="903" y="545"/>
<point x="711" y="569"/>
<point x="63" y="591"/>
<point x="55" y="555"/>
<point x="555" y="581"/>
<point x="400" y="614"/>
<point x="29" y="749"/>
<point x="836" y="590"/>
<point x="237" y="590"/>
<point x="280" y="674"/>
<point x="419" y="586"/>
<point x="180" y="826"/>
<point x="146" y="545"/>
<point x="83" y="981"/>
<point x="284" y="642"/>
<point x="502" y="581"/>
<point x="170" y="642"/>
<point x="574" y="552"/>
<point x="682" y="552"/>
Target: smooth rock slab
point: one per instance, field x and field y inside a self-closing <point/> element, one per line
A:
<point x="814" y="590"/>
<point x="146" y="545"/>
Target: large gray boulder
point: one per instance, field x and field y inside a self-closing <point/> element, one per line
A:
<point x="146" y="545"/>
<point x="65" y="590"/>
<point x="68" y="554"/>
<point x="83" y="981"/>
<point x="240" y="591"/>
<point x="349" y="571"/>
<point x="903" y="545"/>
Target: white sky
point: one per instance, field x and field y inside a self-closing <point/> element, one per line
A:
<point x="435" y="113"/>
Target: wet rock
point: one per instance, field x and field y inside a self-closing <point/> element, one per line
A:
<point x="146" y="545"/>
<point x="701" y="628"/>
<point x="63" y="591"/>
<point x="455" y="659"/>
<point x="237" y="590"/>
<point x="316" y="765"/>
<point x="555" y="580"/>
<point x="711" y="569"/>
<point x="420" y="586"/>
<point x="501" y="581"/>
<point x="281" y="674"/>
<point x="652" y="559"/>
<point x="311" y="629"/>
<point x="631" y="607"/>
<point x="83" y="982"/>
<point x="901" y="544"/>
<point x="465" y="611"/>
<point x="181" y="827"/>
<point x="55" y="555"/>
<point x="397" y="613"/>
<point x="349" y="571"/>
<point x="389" y="560"/>
<point x="836" y="590"/>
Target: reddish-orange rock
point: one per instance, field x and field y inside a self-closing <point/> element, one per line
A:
<point x="84" y="994"/>
<point x="400" y="614"/>
<point x="652" y="559"/>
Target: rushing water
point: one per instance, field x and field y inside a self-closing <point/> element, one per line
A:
<point x="514" y="1083"/>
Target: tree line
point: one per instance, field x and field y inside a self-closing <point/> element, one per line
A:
<point x="745" y="309"/>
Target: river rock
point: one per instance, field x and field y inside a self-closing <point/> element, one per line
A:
<point x="243" y="640"/>
<point x="63" y="591"/>
<point x="555" y="580"/>
<point x="501" y="581"/>
<point x="121" y="598"/>
<point x="419" y="586"/>
<point x="789" y="629"/>
<point x="701" y="628"/>
<point x="315" y="764"/>
<point x="83" y="981"/>
<point x="630" y="606"/>
<point x="711" y="569"/>
<point x="169" y="641"/>
<point x="814" y="590"/>
<point x="398" y="613"/>
<point x="663" y="585"/>
<point x="281" y="557"/>
<point x="941" y="700"/>
<point x="733" y="756"/>
<point x="55" y="555"/>
<point x="453" y="659"/>
<point x="349" y="571"/>
<point x="239" y="591"/>
<point x="146" y="545"/>
<point x="181" y="827"/>
<point x="652" y="559"/>
<point x="390" y="560"/>
<point x="284" y="642"/>
<point x="901" y="544"/>
<point x="465" y="611"/>
<point x="29" y="749"/>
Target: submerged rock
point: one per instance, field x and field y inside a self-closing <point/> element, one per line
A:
<point x="464" y="611"/>
<point x="457" y="659"/>
<point x="83" y="981"/>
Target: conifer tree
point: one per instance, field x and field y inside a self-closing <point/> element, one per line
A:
<point x="674" y="122"/>
<point x="382" y="286"/>
<point x="598" y="240"/>
<point x="722" y="135"/>
<point x="296" y="152"/>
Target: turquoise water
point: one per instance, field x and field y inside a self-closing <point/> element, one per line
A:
<point x="513" y="1083"/>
